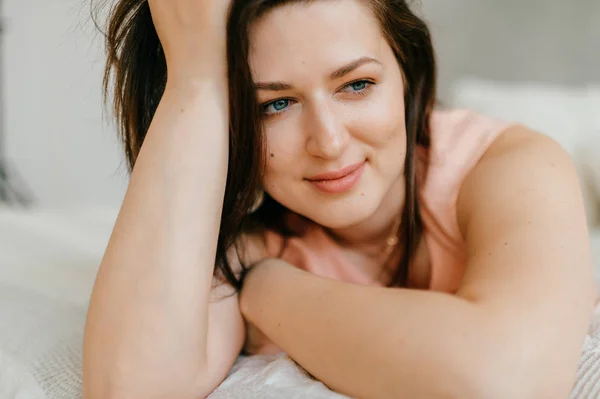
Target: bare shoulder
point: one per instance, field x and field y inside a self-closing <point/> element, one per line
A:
<point x="528" y="262"/>
<point x="522" y="205"/>
<point x="519" y="139"/>
<point x="519" y="159"/>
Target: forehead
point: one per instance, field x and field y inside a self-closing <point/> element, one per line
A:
<point x="313" y="35"/>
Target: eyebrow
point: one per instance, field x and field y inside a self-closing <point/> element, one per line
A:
<point x="337" y="74"/>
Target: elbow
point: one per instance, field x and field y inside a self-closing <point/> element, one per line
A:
<point x="116" y="388"/>
<point x="114" y="377"/>
<point x="514" y="386"/>
<point x="488" y="384"/>
<point x="460" y="379"/>
<point x="126" y="393"/>
<point x="501" y="376"/>
<point x="477" y="373"/>
<point x="470" y="384"/>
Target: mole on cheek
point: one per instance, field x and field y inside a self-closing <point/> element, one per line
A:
<point x="272" y="155"/>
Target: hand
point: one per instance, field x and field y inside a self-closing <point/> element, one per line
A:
<point x="192" y="33"/>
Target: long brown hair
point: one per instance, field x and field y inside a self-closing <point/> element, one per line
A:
<point x="136" y="62"/>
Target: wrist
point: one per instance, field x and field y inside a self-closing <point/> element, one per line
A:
<point x="252" y="279"/>
<point x="193" y="90"/>
<point x="199" y="69"/>
<point x="196" y="78"/>
<point x="261" y="280"/>
<point x="192" y="85"/>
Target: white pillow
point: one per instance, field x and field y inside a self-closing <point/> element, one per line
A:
<point x="570" y="115"/>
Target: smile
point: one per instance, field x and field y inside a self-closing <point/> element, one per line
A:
<point x="339" y="181"/>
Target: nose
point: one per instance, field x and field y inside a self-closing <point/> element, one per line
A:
<point x="327" y="135"/>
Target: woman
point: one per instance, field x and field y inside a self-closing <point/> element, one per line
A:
<point x="390" y="249"/>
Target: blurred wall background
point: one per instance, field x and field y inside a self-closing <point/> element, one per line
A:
<point x="516" y="40"/>
<point x="55" y="131"/>
<point x="57" y="138"/>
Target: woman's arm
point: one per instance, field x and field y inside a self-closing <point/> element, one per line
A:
<point x="151" y="331"/>
<point x="514" y="329"/>
<point x="148" y="322"/>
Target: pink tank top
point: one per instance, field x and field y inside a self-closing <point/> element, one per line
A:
<point x="459" y="138"/>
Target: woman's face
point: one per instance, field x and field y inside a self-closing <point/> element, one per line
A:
<point x="333" y="101"/>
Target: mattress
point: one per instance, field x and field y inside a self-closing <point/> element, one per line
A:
<point x="48" y="263"/>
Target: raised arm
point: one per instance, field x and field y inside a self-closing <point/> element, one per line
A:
<point x="152" y="331"/>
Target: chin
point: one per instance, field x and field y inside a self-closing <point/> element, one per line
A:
<point x="344" y="212"/>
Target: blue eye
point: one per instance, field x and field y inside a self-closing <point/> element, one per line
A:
<point x="276" y="106"/>
<point x="359" y="86"/>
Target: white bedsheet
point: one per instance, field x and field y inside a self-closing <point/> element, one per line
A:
<point x="48" y="262"/>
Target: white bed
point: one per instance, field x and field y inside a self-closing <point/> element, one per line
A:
<point x="48" y="262"/>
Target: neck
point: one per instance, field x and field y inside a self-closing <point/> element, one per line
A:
<point x="370" y="236"/>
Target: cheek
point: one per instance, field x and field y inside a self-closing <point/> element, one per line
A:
<point x="282" y="178"/>
<point x="281" y="162"/>
<point x="390" y="156"/>
<point x="273" y="171"/>
<point x="283" y="139"/>
<point x="380" y="122"/>
<point x="382" y="130"/>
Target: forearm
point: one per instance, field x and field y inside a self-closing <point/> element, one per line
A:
<point x="370" y="342"/>
<point x="147" y="321"/>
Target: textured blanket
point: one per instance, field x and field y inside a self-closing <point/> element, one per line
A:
<point x="48" y="263"/>
<point x="40" y="358"/>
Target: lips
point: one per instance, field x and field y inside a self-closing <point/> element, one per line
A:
<point x="338" y="181"/>
<point x="338" y="174"/>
